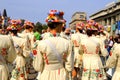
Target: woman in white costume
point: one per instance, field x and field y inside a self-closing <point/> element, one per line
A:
<point x="28" y="32"/>
<point x="7" y="54"/>
<point x="92" y="64"/>
<point x="76" y="39"/>
<point x="54" y="55"/>
<point x="114" y="60"/>
<point x="22" y="47"/>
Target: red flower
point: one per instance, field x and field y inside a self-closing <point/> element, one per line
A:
<point x="22" y="75"/>
<point x="110" y="53"/>
<point x="97" y="49"/>
<point x="34" y="52"/>
<point x="28" y="71"/>
<point x="47" y="62"/>
<point x="100" y="75"/>
<point x="18" y="69"/>
<point x="84" y="69"/>
<point x="97" y="70"/>
<point x="65" y="55"/>
<point x="3" y="51"/>
<point x="105" y="46"/>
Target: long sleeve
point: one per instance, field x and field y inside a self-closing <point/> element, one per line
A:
<point x="20" y="61"/>
<point x="38" y="62"/>
<point x="103" y="50"/>
<point x="11" y="51"/>
<point x="111" y="62"/>
<point x="26" y="47"/>
<point x="70" y="57"/>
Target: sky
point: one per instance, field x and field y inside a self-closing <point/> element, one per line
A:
<point x="36" y="10"/>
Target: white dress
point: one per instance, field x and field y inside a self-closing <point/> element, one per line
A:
<point x="92" y="64"/>
<point x="114" y="61"/>
<point x="7" y="54"/>
<point x="48" y="63"/>
<point x="76" y="39"/>
<point x="19" y="72"/>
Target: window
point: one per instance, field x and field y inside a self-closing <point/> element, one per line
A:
<point x="81" y="16"/>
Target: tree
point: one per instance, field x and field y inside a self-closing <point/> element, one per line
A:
<point x="38" y="27"/>
<point x="22" y="22"/>
<point x="44" y="26"/>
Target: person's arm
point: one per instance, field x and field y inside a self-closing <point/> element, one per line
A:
<point x="69" y="64"/>
<point x="110" y="44"/>
<point x="111" y="62"/>
<point x="103" y="50"/>
<point x="38" y="61"/>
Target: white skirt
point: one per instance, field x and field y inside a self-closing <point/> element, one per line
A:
<point x="3" y="72"/>
<point x="116" y="75"/>
<point x="59" y="74"/>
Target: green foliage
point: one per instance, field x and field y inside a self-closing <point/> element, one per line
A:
<point x="39" y="27"/>
<point x="45" y="26"/>
<point x="22" y="20"/>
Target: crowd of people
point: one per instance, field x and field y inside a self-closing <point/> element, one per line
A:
<point x="58" y="53"/>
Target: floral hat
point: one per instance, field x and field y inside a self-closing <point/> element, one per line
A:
<point x="80" y="25"/>
<point x="55" y="16"/>
<point x="14" y="25"/>
<point x="91" y="25"/>
<point x="28" y="23"/>
<point x="67" y="30"/>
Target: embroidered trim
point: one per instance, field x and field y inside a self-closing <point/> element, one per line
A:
<point x="3" y="51"/>
<point x="86" y="52"/>
<point x="46" y="60"/>
<point x="18" y="72"/>
<point x="93" y="73"/>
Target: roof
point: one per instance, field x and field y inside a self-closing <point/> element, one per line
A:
<point x="78" y="13"/>
<point x="108" y="6"/>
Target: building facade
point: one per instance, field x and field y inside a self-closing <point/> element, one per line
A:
<point x="77" y="17"/>
<point x="109" y="15"/>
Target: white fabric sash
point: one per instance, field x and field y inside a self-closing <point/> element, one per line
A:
<point x="54" y="50"/>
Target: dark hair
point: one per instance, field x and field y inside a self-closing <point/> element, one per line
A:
<point x="102" y="33"/>
<point x="14" y="32"/>
<point x="0" y="26"/>
<point x="80" y="30"/>
<point x="95" y="32"/>
<point x="53" y="25"/>
<point x="28" y="27"/>
<point x="63" y="29"/>
<point x="117" y="38"/>
<point x="89" y="32"/>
